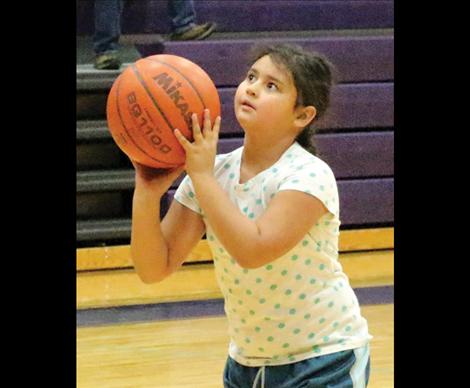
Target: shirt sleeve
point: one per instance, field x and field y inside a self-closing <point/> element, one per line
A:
<point x="185" y="193"/>
<point x="317" y="180"/>
<point x="186" y="196"/>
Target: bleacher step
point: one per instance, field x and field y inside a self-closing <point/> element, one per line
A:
<point x="197" y="282"/>
<point x="365" y="202"/>
<point x="375" y="49"/>
<point x="103" y="230"/>
<point x="107" y="180"/>
<point x="145" y="16"/>
<point x="362" y="105"/>
<point x="92" y="130"/>
<point x="355" y="155"/>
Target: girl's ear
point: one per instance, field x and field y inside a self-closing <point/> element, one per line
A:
<point x="304" y="116"/>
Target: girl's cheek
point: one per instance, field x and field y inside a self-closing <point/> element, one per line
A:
<point x="238" y="92"/>
<point x="239" y="89"/>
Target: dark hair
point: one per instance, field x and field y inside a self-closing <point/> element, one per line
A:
<point x="313" y="78"/>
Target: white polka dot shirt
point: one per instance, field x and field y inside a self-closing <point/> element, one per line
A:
<point x="300" y="305"/>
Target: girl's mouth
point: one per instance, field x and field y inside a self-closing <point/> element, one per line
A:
<point x="246" y="104"/>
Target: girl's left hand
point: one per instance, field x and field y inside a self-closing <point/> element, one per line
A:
<point x="200" y="154"/>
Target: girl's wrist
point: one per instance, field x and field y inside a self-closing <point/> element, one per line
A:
<point x="147" y="194"/>
<point x="200" y="176"/>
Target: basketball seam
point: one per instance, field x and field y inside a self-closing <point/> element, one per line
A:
<point x="142" y="82"/>
<point x="182" y="75"/>
<point x="127" y="131"/>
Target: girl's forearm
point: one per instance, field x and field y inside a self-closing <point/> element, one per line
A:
<point x="149" y="250"/>
<point x="239" y="235"/>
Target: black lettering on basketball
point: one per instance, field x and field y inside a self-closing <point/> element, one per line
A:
<point x="176" y="97"/>
<point x="163" y="80"/>
<point x="144" y="125"/>
<point x="155" y="139"/>
<point x="187" y="119"/>
<point x="165" y="149"/>
<point x="143" y="121"/>
<point x="125" y="99"/>
<point x="135" y="109"/>
<point x="173" y="88"/>
<point x="131" y="98"/>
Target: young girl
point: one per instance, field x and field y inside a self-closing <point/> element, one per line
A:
<point x="270" y="210"/>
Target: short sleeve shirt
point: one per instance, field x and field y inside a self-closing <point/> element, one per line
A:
<point x="300" y="305"/>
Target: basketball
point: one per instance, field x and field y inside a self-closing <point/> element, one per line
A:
<point x="151" y="98"/>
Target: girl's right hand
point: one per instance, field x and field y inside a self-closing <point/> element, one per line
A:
<point x="154" y="179"/>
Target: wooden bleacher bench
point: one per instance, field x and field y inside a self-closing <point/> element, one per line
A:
<point x="106" y="278"/>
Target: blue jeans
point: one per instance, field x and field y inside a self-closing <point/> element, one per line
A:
<point x="108" y="21"/>
<point x="346" y="369"/>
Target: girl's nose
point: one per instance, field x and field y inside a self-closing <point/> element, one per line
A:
<point x="251" y="90"/>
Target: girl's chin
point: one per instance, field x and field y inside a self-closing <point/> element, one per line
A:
<point x="244" y="119"/>
<point x="247" y="125"/>
<point x="246" y="113"/>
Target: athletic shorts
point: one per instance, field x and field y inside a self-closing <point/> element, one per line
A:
<point x="346" y="369"/>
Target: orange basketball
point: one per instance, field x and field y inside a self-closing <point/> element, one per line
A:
<point x="151" y="98"/>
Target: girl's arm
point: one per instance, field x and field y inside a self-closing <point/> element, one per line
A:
<point x="289" y="216"/>
<point x="253" y="243"/>
<point x="159" y="248"/>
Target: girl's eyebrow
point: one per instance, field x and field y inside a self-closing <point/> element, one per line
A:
<point x="268" y="76"/>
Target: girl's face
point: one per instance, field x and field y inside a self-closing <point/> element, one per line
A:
<point x="264" y="101"/>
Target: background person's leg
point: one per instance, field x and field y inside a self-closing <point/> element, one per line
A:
<point x="107" y="15"/>
<point x="183" y="21"/>
<point x="182" y="15"/>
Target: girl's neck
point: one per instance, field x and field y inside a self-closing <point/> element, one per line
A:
<point x="261" y="153"/>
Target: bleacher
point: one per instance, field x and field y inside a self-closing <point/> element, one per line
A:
<point x="356" y="138"/>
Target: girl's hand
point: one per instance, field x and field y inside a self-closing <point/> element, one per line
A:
<point x="200" y="154"/>
<point x="155" y="180"/>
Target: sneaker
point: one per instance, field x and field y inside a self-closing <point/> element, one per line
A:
<point x="198" y="32"/>
<point x="107" y="61"/>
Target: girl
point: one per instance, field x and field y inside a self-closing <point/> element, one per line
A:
<point x="270" y="211"/>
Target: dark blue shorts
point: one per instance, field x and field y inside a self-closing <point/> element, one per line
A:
<point x="346" y="369"/>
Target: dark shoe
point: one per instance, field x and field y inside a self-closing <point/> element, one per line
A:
<point x="107" y="61"/>
<point x="198" y="32"/>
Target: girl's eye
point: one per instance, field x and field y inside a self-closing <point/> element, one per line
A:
<point x="250" y="77"/>
<point x="272" y="86"/>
